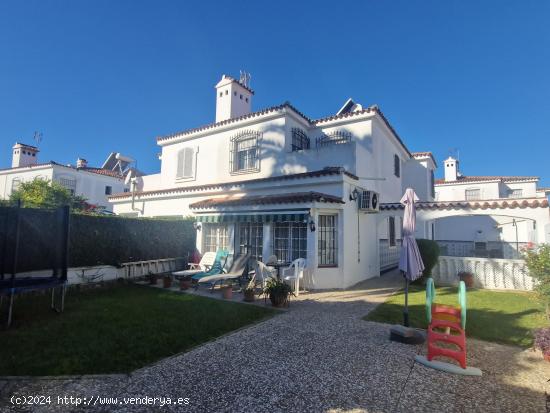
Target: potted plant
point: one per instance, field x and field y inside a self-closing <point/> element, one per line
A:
<point x="185" y="283"/>
<point x="167" y="281"/>
<point x="249" y="292"/>
<point x="542" y="341"/>
<point x="227" y="292"/>
<point x="153" y="278"/>
<point x="467" y="277"/>
<point x="278" y="292"/>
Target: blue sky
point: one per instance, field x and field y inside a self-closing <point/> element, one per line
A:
<point x="101" y="76"/>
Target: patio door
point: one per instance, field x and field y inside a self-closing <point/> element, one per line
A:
<point x="251" y="239"/>
<point x="289" y="241"/>
<point x="215" y="237"/>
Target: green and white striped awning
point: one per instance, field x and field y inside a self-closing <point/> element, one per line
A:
<point x="271" y="217"/>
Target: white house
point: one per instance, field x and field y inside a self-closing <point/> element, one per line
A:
<point x="486" y="216"/>
<point x="95" y="184"/>
<point x="275" y="181"/>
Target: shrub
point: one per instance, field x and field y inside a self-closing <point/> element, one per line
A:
<point x="429" y="251"/>
<point x="542" y="340"/>
<point x="537" y="260"/>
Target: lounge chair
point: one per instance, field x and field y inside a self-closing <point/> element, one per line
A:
<point x="217" y="267"/>
<point x="294" y="273"/>
<point x="236" y="272"/>
<point x="206" y="262"/>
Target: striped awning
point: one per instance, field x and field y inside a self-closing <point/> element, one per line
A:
<point x="271" y="217"/>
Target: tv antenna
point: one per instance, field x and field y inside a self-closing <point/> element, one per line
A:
<point x="37" y="137"/>
<point x="455" y="153"/>
<point x="244" y="78"/>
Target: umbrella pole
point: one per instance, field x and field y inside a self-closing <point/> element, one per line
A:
<point x="406" y="310"/>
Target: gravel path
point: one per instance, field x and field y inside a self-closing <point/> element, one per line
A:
<point x="318" y="357"/>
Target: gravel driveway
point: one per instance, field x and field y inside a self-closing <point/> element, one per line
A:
<point x="317" y="357"/>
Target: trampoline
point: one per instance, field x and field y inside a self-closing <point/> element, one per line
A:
<point x="55" y="246"/>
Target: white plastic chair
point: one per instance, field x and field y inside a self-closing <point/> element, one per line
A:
<point x="263" y="274"/>
<point x="293" y="273"/>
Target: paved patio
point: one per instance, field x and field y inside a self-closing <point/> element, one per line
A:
<point x="317" y="357"/>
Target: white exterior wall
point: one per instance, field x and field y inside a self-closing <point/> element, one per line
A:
<point x="370" y="156"/>
<point x="88" y="184"/>
<point x="457" y="191"/>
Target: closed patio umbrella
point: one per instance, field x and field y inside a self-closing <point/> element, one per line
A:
<point x="410" y="261"/>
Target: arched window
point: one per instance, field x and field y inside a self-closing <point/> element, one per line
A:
<point x="245" y="152"/>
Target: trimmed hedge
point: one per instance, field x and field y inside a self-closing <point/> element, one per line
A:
<point x="93" y="240"/>
<point x="429" y="251"/>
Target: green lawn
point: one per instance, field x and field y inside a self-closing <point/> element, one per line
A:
<point x="114" y="330"/>
<point x="500" y="317"/>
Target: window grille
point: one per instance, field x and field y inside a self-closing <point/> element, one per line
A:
<point x="244" y="155"/>
<point x="185" y="168"/>
<point x="396" y="166"/>
<point x="333" y="138"/>
<point x="251" y="239"/>
<point x="299" y="140"/>
<point x="391" y="231"/>
<point x="69" y="184"/>
<point x="472" y="194"/>
<point x="327" y="240"/>
<point x="289" y="241"/>
<point x="215" y="237"/>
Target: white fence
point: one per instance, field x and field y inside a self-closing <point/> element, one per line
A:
<point x="490" y="273"/>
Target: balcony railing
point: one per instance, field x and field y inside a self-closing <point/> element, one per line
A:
<point x="333" y="138"/>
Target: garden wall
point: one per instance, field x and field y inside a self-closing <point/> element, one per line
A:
<point x="93" y="240"/>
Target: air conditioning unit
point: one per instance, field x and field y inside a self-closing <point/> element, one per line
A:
<point x="368" y="201"/>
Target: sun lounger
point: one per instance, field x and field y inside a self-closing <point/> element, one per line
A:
<point x="217" y="267"/>
<point x="206" y="262"/>
<point x="237" y="271"/>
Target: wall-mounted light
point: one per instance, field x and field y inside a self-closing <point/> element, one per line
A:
<point x="197" y="226"/>
<point x="312" y="225"/>
<point x="354" y="195"/>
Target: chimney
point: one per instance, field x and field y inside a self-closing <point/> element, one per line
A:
<point x="81" y="163"/>
<point x="451" y="169"/>
<point x="233" y="98"/>
<point x="24" y="155"/>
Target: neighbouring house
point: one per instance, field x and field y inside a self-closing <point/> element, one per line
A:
<point x="277" y="182"/>
<point x="95" y="184"/>
<point x="486" y="216"/>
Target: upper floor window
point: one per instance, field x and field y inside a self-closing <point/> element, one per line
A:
<point x="333" y="138"/>
<point x="473" y="194"/>
<point x="15" y="184"/>
<point x="108" y="190"/>
<point x="515" y="193"/>
<point x="186" y="163"/>
<point x="245" y="152"/>
<point x="299" y="139"/>
<point x="69" y="184"/>
<point x="432" y="183"/>
<point x="396" y="166"/>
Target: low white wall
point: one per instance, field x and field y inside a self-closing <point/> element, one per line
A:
<point x="490" y="273"/>
<point x="87" y="275"/>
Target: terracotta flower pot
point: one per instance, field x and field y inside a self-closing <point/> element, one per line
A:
<point x="249" y="296"/>
<point x="167" y="281"/>
<point x="546" y="357"/>
<point x="227" y="292"/>
<point x="185" y="284"/>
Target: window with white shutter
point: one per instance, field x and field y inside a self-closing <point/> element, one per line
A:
<point x="186" y="163"/>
